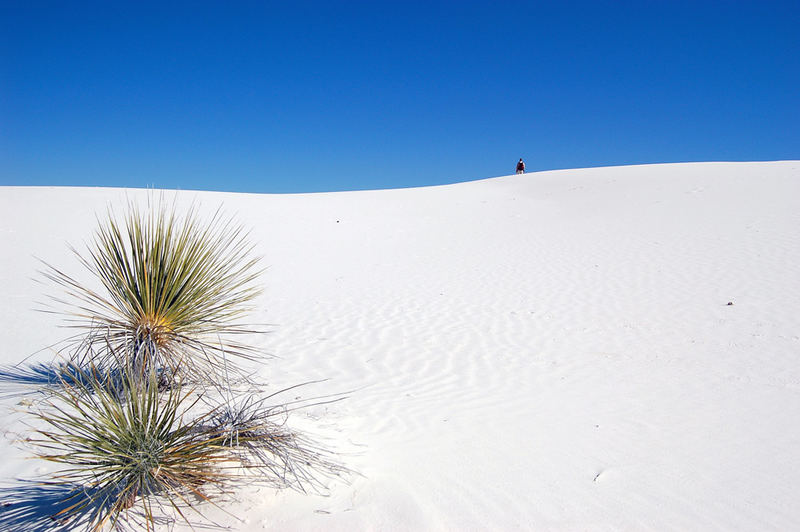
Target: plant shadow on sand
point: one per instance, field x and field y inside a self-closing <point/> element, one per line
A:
<point x="34" y="507"/>
<point x="31" y="379"/>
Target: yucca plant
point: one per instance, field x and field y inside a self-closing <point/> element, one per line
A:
<point x="174" y="290"/>
<point x="129" y="447"/>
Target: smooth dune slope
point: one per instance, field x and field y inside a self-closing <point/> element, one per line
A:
<point x="552" y="351"/>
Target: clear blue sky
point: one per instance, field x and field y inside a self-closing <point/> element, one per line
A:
<point x="314" y="96"/>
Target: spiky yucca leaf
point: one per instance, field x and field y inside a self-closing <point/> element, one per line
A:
<point x="174" y="290"/>
<point x="127" y="444"/>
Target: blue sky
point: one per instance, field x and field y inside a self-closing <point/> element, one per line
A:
<point x="317" y="96"/>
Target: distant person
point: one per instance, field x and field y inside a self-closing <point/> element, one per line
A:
<point x="520" y="166"/>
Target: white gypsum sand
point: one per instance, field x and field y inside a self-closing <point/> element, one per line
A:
<point x="550" y="351"/>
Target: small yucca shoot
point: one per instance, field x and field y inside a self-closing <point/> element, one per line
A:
<point x="174" y="291"/>
<point x="127" y="444"/>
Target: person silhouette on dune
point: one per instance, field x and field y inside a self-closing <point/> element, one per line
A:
<point x="520" y="166"/>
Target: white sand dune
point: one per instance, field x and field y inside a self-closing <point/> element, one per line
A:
<point x="552" y="351"/>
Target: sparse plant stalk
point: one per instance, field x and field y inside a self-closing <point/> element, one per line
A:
<point x="257" y="433"/>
